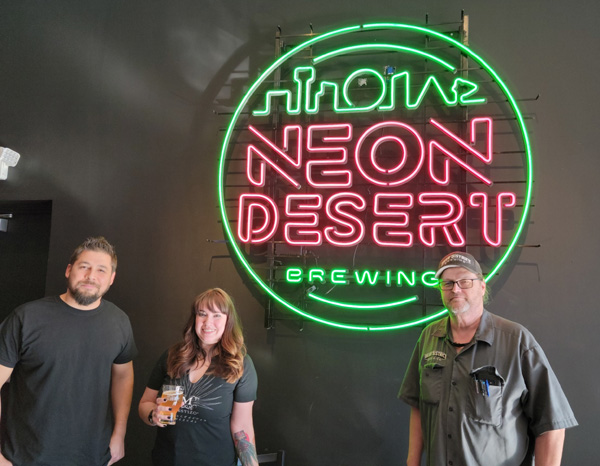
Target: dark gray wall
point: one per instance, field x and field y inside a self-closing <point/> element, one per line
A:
<point x="110" y="104"/>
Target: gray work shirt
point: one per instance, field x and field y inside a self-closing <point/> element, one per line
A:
<point x="481" y="406"/>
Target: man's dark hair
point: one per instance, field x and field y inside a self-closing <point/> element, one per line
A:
<point x="96" y="243"/>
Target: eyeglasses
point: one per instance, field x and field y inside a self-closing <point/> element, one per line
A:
<point x="463" y="283"/>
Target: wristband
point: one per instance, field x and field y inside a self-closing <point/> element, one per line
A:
<point x="150" y="417"/>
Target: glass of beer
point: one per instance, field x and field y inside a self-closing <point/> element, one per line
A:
<point x="174" y="399"/>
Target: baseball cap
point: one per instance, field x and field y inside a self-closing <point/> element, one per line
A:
<point x="459" y="259"/>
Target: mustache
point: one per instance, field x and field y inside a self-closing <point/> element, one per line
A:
<point x="86" y="282"/>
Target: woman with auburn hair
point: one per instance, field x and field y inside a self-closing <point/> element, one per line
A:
<point x="214" y="425"/>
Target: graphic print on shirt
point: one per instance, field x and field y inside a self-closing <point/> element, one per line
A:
<point x="199" y="397"/>
<point x="434" y="356"/>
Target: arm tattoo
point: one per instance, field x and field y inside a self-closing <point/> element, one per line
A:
<point x="245" y="449"/>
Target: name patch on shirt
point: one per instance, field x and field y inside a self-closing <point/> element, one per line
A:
<point x="435" y="356"/>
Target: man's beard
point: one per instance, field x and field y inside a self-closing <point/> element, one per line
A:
<point x="460" y="310"/>
<point x="82" y="298"/>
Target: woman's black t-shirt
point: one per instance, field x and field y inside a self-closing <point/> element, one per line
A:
<point x="201" y="435"/>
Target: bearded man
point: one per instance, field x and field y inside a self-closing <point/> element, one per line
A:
<point x="69" y="361"/>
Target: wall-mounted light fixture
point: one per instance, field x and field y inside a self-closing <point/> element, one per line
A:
<point x="4" y="222"/>
<point x="8" y="158"/>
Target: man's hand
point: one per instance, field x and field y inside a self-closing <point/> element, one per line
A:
<point x="117" y="449"/>
<point x="4" y="461"/>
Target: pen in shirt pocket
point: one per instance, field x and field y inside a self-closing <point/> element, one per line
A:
<point x="482" y="386"/>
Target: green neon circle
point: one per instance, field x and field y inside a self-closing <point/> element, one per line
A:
<point x="297" y="49"/>
<point x="362" y="306"/>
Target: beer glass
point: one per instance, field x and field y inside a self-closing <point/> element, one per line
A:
<point x="174" y="399"/>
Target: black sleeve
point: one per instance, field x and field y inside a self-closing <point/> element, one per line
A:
<point x="10" y="336"/>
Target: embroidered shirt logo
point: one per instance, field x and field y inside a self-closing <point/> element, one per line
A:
<point x="435" y="356"/>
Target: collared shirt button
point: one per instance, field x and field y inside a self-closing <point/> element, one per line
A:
<point x="450" y="463"/>
<point x="450" y="409"/>
<point x="454" y="382"/>
<point x="449" y="435"/>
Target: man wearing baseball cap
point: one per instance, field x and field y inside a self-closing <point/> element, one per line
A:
<point x="480" y="387"/>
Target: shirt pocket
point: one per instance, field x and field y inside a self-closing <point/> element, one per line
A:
<point x="487" y="386"/>
<point x="431" y="383"/>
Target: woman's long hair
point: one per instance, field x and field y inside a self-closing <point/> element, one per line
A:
<point x="227" y="357"/>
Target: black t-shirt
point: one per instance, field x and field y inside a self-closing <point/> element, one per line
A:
<point x="58" y="411"/>
<point x="201" y="435"/>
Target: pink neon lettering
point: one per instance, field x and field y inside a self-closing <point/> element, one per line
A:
<point x="387" y="154"/>
<point x="489" y="142"/>
<point x="446" y="221"/>
<point x="250" y="229"/>
<point x="503" y="200"/>
<point x="320" y="140"/>
<point x="303" y="223"/>
<point x="373" y="155"/>
<point x="393" y="205"/>
<point x="296" y="206"/>
<point x="435" y="146"/>
<point x="389" y="177"/>
<point x="354" y="227"/>
<point x="264" y="159"/>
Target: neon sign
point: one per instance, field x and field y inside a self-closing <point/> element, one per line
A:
<point x="343" y="179"/>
